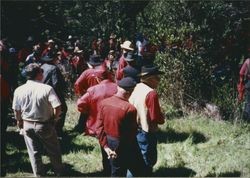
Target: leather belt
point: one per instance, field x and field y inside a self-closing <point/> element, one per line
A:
<point x="39" y="122"/>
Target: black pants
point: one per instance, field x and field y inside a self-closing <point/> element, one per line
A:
<point x="60" y="123"/>
<point x="128" y="158"/>
<point x="105" y="163"/>
<point x="4" y="124"/>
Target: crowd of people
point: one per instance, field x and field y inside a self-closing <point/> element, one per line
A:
<point x="115" y="85"/>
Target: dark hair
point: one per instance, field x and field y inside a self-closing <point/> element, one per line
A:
<point x="32" y="70"/>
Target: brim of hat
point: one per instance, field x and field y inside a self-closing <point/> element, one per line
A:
<point x="150" y="73"/>
<point x="95" y="63"/>
<point x="81" y="51"/>
<point x="128" y="88"/>
<point x="112" y="36"/>
<point x="129" y="60"/>
<point x="125" y="47"/>
<point x="46" y="59"/>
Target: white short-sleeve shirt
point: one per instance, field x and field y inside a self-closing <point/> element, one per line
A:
<point x="36" y="101"/>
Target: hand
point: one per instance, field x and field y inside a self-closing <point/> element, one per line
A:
<point x="19" y="124"/>
<point x="111" y="154"/>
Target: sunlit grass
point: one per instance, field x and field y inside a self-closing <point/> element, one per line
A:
<point x="193" y="146"/>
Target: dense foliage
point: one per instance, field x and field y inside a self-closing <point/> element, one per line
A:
<point x="205" y="42"/>
<point x="58" y="19"/>
<point x="201" y="43"/>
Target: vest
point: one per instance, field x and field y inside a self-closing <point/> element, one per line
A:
<point x="137" y="99"/>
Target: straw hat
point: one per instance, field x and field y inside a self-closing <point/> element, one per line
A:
<point x="127" y="45"/>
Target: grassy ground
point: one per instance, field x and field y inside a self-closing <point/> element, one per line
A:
<point x="188" y="147"/>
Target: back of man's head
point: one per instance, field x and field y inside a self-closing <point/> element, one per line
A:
<point x="32" y="70"/>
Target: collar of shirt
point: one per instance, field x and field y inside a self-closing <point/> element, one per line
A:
<point x="33" y="81"/>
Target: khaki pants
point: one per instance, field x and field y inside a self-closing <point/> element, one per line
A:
<point x="42" y="134"/>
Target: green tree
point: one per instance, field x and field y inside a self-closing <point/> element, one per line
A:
<point x="201" y="37"/>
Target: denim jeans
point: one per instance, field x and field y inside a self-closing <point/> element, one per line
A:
<point x="148" y="145"/>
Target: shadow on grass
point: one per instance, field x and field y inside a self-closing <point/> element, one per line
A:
<point x="16" y="163"/>
<point x="174" y="172"/>
<point x="198" y="137"/>
<point x="226" y="174"/>
<point x="70" y="171"/>
<point x="67" y="144"/>
<point x="17" y="159"/>
<point x="15" y="142"/>
<point x="171" y="136"/>
<point x="14" y="139"/>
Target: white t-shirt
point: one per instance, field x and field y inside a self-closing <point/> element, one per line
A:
<point x="36" y="101"/>
<point x="140" y="45"/>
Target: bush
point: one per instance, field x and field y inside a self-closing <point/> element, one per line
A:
<point x="196" y="38"/>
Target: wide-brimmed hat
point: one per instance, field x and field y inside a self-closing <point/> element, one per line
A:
<point x="77" y="50"/>
<point x="95" y="60"/>
<point x="49" y="56"/>
<point x="51" y="41"/>
<point x="127" y="83"/>
<point x="127" y="45"/>
<point x="129" y="56"/>
<point x="112" y="52"/>
<point x="130" y="71"/>
<point x="150" y="70"/>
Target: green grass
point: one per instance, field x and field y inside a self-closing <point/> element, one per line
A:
<point x="194" y="146"/>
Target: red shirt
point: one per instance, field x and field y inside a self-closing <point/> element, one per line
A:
<point x="5" y="90"/>
<point x="23" y="53"/>
<point x="78" y="64"/>
<point x="116" y="118"/>
<point x="245" y="69"/>
<point x="154" y="110"/>
<point x="89" y="102"/>
<point x="5" y="82"/>
<point x="87" y="79"/>
<point x="122" y="63"/>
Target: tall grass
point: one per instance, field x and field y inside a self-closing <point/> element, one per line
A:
<point x="193" y="146"/>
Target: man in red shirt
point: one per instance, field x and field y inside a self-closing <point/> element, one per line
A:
<point x="149" y="115"/>
<point x="116" y="130"/>
<point x="50" y="47"/>
<point x="5" y="101"/>
<point x="88" y="78"/>
<point x="244" y="88"/>
<point x="88" y="105"/>
<point x="126" y="47"/>
<point x="26" y="50"/>
<point x="78" y="62"/>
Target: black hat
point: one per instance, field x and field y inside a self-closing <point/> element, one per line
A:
<point x="129" y="56"/>
<point x="69" y="48"/>
<point x="150" y="70"/>
<point x="130" y="71"/>
<point x="95" y="60"/>
<point x="49" y="56"/>
<point x="127" y="83"/>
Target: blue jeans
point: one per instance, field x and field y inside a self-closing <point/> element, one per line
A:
<point x="148" y="145"/>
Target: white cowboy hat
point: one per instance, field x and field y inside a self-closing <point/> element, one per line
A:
<point x="127" y="45"/>
<point x="51" y="41"/>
